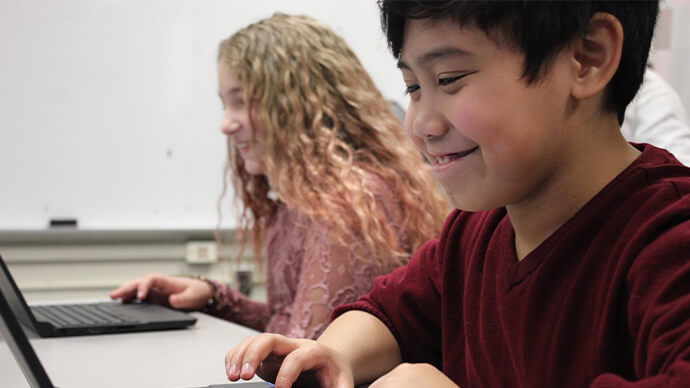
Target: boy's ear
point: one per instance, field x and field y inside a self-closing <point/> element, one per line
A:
<point x="597" y="55"/>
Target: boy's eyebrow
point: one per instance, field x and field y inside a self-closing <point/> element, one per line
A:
<point x="437" y="53"/>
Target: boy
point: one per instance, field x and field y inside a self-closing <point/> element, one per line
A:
<point x="569" y="264"/>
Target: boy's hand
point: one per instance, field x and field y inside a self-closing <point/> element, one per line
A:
<point x="413" y="375"/>
<point x="277" y="358"/>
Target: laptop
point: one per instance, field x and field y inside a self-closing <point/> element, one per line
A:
<point x="31" y="366"/>
<point x="89" y="318"/>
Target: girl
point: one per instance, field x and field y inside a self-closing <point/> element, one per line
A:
<point x="332" y="190"/>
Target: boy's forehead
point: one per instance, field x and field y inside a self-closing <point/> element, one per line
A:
<point x="428" y="39"/>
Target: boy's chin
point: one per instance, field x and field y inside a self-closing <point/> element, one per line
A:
<point x="470" y="203"/>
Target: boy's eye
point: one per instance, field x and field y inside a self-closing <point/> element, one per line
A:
<point x="449" y="80"/>
<point x="411" y="89"/>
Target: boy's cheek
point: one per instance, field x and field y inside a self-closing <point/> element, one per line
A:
<point x="409" y="131"/>
<point x="408" y="123"/>
<point x="479" y="124"/>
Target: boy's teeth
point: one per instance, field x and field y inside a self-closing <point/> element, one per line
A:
<point x="442" y="159"/>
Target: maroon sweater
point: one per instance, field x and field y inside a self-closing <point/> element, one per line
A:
<point x="603" y="302"/>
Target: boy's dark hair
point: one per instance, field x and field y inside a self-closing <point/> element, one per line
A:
<point x="540" y="29"/>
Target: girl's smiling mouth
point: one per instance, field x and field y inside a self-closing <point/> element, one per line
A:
<point x="242" y="147"/>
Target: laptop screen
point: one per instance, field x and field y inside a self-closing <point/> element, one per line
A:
<point x="13" y="297"/>
<point x="19" y="345"/>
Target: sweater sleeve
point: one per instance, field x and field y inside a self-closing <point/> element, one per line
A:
<point x="233" y="306"/>
<point x="658" y="314"/>
<point x="408" y="302"/>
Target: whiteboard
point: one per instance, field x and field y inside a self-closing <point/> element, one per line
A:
<point x="109" y="111"/>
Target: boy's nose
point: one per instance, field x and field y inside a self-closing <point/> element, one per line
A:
<point x="428" y="123"/>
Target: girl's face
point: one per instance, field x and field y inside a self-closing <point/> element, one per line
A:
<point x="237" y="123"/>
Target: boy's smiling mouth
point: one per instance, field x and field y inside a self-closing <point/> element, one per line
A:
<point x="443" y="160"/>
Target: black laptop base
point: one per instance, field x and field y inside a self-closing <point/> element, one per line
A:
<point x="135" y="317"/>
<point x="47" y="322"/>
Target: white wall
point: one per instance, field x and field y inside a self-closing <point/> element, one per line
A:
<point x="109" y="110"/>
<point x="670" y="54"/>
<point x="77" y="264"/>
<point x="679" y="69"/>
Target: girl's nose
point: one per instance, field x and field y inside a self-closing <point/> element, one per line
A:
<point x="229" y="126"/>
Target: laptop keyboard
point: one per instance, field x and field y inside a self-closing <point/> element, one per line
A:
<point x="79" y="315"/>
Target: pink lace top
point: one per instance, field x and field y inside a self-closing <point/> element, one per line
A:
<point x="307" y="276"/>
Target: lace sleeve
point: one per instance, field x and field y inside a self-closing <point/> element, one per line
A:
<point x="330" y="276"/>
<point x="231" y="305"/>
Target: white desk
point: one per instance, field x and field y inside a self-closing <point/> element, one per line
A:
<point x="191" y="357"/>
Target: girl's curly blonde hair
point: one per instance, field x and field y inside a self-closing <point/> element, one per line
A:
<point x="326" y="128"/>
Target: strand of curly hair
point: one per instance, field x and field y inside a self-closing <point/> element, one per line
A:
<point x="326" y="128"/>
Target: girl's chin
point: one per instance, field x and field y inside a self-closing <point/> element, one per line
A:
<point x="253" y="168"/>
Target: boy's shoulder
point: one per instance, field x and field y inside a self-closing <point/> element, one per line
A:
<point x="652" y="194"/>
<point x="655" y="198"/>
<point x="660" y="167"/>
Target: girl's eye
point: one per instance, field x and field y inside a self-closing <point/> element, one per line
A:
<point x="237" y="104"/>
<point x="411" y="89"/>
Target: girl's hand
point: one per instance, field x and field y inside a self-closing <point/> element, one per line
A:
<point x="277" y="358"/>
<point x="178" y="292"/>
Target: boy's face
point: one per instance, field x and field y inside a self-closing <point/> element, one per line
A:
<point x="492" y="140"/>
